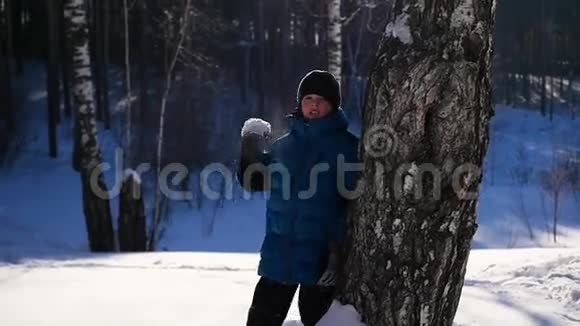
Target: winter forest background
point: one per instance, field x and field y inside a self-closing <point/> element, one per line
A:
<point x="173" y="83"/>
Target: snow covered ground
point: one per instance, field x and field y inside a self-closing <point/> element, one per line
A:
<point x="519" y="287"/>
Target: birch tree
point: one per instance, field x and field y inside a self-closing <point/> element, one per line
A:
<point x="334" y="38"/>
<point x="87" y="153"/>
<point x="425" y="133"/>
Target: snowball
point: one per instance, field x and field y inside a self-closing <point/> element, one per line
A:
<point x="256" y="126"/>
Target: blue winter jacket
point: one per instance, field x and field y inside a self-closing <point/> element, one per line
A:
<point x="300" y="225"/>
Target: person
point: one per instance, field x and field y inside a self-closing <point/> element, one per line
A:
<point x="303" y="228"/>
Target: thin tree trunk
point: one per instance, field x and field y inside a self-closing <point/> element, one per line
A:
<point x="142" y="68"/>
<point x="52" y="80"/>
<point x="555" y="224"/>
<point x="429" y="97"/>
<point x="285" y="53"/>
<point x="128" y="127"/>
<point x="543" y="58"/>
<point x="168" y="78"/>
<point x="334" y="39"/>
<point x="543" y="93"/>
<point x="261" y="60"/>
<point x="104" y="8"/>
<point x="94" y="23"/>
<point x="64" y="62"/>
<point x="552" y="86"/>
<point x="9" y="65"/>
<point x="16" y="34"/>
<point x="87" y="151"/>
<point x="571" y="97"/>
<point x="562" y="96"/>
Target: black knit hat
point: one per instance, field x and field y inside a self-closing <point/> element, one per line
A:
<point x="321" y="83"/>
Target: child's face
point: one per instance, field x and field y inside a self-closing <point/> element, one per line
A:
<point x="315" y="106"/>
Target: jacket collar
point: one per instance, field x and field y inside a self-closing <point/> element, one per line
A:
<point x="332" y="122"/>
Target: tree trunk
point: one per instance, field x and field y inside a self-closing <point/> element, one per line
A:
<point x="285" y="53"/>
<point x="142" y="66"/>
<point x="425" y="131"/>
<point x="87" y="152"/>
<point x="131" y="216"/>
<point x="570" y="94"/>
<point x="64" y="62"/>
<point x="16" y="34"/>
<point x="128" y="119"/>
<point x="159" y="199"/>
<point x="543" y="93"/>
<point x="93" y="19"/>
<point x="555" y="224"/>
<point x="334" y="39"/>
<point x="8" y="64"/>
<point x="52" y="78"/>
<point x="261" y="61"/>
<point x="104" y="9"/>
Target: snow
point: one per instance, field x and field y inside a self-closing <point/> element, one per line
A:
<point x="341" y="315"/>
<point x="519" y="287"/>
<point x="400" y="28"/>
<point x="256" y="126"/>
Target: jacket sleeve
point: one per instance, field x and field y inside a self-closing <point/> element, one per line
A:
<point x="254" y="161"/>
<point x="350" y="181"/>
<point x="352" y="177"/>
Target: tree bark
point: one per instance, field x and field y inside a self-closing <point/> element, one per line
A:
<point x="94" y="23"/>
<point x="86" y="148"/>
<point x="52" y="77"/>
<point x="128" y="119"/>
<point x="142" y="67"/>
<point x="131" y="216"/>
<point x="104" y="9"/>
<point x="334" y="39"/>
<point x="425" y="134"/>
<point x="64" y="62"/>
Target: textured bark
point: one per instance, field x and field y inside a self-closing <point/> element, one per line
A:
<point x="131" y="216"/>
<point x="104" y="80"/>
<point x="334" y="39"/>
<point x="429" y="100"/>
<point x="52" y="77"/>
<point x="128" y="119"/>
<point x="140" y="113"/>
<point x="87" y="154"/>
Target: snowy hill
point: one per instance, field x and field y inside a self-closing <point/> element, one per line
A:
<point x="521" y="287"/>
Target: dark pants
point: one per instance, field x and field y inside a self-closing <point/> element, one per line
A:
<point x="272" y="301"/>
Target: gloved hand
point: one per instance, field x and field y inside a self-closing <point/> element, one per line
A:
<point x="330" y="274"/>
